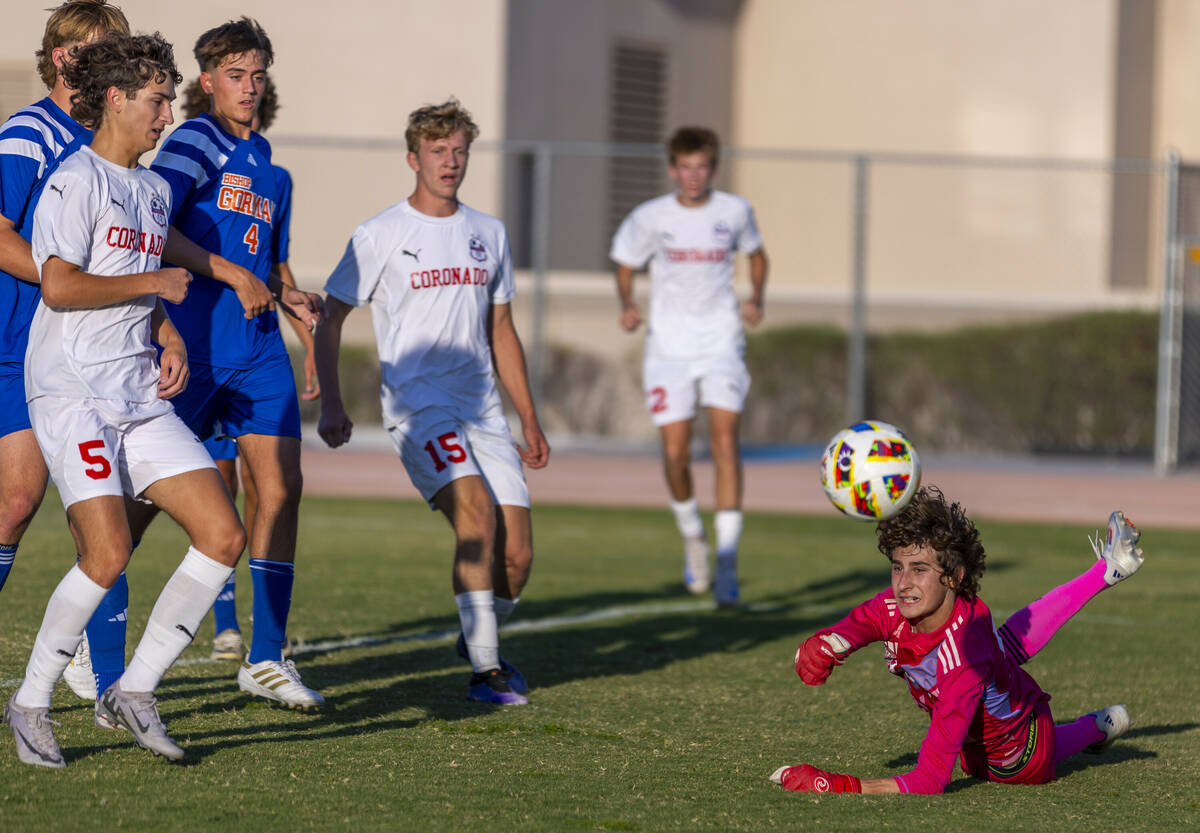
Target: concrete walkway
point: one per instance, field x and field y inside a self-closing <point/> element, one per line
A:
<point x="1013" y="490"/>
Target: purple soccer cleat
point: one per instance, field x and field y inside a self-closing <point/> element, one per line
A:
<point x="516" y="680"/>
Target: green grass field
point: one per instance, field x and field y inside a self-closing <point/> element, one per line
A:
<point x="656" y="713"/>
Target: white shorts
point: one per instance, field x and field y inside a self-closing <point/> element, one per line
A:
<point x="437" y="447"/>
<point x="670" y="385"/>
<point x="93" y="450"/>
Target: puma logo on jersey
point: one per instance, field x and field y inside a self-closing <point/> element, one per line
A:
<point x="414" y="255"/>
<point x="57" y="190"/>
<point x="116" y="203"/>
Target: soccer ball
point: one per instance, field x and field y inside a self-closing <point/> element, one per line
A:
<point x="870" y="471"/>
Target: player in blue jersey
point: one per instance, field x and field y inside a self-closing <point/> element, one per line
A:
<point x="32" y="141"/>
<point x="224" y="212"/>
<point x="227" y="640"/>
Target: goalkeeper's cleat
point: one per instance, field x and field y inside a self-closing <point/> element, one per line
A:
<point x="695" y="565"/>
<point x="228" y="645"/>
<point x="137" y="712"/>
<point x="278" y="680"/>
<point x="1119" y="551"/>
<point x="516" y="680"/>
<point x="78" y="673"/>
<point x="493" y="687"/>
<point x="1113" y="722"/>
<point x="33" y="732"/>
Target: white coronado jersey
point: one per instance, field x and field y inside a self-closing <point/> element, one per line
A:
<point x="107" y="220"/>
<point x="693" y="308"/>
<point x="431" y="282"/>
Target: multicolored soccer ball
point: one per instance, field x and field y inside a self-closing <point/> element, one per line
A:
<point x="870" y="471"/>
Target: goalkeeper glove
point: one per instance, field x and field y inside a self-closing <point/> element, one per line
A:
<point x="817" y="655"/>
<point x="809" y="779"/>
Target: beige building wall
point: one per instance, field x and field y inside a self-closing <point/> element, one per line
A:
<point x="1023" y="79"/>
<point x="352" y="69"/>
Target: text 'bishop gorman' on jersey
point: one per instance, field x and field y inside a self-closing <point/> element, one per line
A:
<point x="236" y="196"/>
<point x="453" y="276"/>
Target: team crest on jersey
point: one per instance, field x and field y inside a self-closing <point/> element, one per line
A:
<point x="722" y="233"/>
<point x="158" y="210"/>
<point x="478" y="250"/>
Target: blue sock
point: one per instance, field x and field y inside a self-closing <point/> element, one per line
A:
<point x="272" y="582"/>
<point x="8" y="552"/>
<point x="225" y="608"/>
<point x="106" y="635"/>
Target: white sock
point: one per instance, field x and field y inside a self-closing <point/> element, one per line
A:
<point x="477" y="615"/>
<point x="687" y="518"/>
<point x="728" y="523"/>
<point x="504" y="608"/>
<point x="181" y="606"/>
<point x="70" y="607"/>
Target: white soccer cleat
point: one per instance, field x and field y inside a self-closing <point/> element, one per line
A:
<point x="78" y="673"/>
<point x="228" y="645"/>
<point x="33" y="732"/>
<point x="279" y="681"/>
<point x="776" y="777"/>
<point x="1119" y="550"/>
<point x="1113" y="721"/>
<point x="695" y="565"/>
<point x="137" y="712"/>
<point x="726" y="588"/>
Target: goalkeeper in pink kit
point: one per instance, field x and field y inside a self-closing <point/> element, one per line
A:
<point x="938" y="635"/>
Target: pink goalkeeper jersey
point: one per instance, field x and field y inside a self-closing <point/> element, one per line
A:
<point x="979" y="700"/>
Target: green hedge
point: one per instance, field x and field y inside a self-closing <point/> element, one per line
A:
<point x="1081" y="384"/>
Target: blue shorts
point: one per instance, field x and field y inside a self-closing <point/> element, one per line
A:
<point x="260" y="400"/>
<point x="221" y="447"/>
<point x="14" y="412"/>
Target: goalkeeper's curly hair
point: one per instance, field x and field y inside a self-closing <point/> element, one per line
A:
<point x="932" y="520"/>
<point x="127" y="62"/>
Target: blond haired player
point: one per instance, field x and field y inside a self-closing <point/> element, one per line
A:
<point x="438" y="278"/>
<point x="98" y="396"/>
<point x="694" y="338"/>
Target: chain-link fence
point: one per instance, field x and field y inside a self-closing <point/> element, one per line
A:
<point x="866" y="245"/>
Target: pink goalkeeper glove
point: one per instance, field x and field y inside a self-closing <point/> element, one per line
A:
<point x="817" y="655"/>
<point x="809" y="779"/>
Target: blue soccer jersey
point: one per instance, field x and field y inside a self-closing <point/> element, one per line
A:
<point x="283" y="216"/>
<point x="32" y="141"/>
<point x="225" y="198"/>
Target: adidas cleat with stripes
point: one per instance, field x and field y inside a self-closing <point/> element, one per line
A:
<point x="1113" y="721"/>
<point x="278" y="680"/>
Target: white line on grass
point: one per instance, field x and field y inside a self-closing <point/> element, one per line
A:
<point x="550" y="623"/>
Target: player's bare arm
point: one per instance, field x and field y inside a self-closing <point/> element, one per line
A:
<point x="66" y="286"/>
<point x="252" y="292"/>
<point x="631" y="316"/>
<point x="752" y="310"/>
<point x="312" y="388"/>
<point x="16" y="258"/>
<point x="509" y="358"/>
<point x="305" y="307"/>
<point x="172" y="364"/>
<point x="335" y="425"/>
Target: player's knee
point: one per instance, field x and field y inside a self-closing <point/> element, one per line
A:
<point x="17" y="511"/>
<point x="677" y="457"/>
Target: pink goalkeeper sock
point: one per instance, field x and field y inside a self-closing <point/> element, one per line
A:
<point x="1072" y="738"/>
<point x="1029" y="629"/>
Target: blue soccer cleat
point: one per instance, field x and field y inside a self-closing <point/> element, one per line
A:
<point x="493" y="687"/>
<point x="516" y="680"/>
